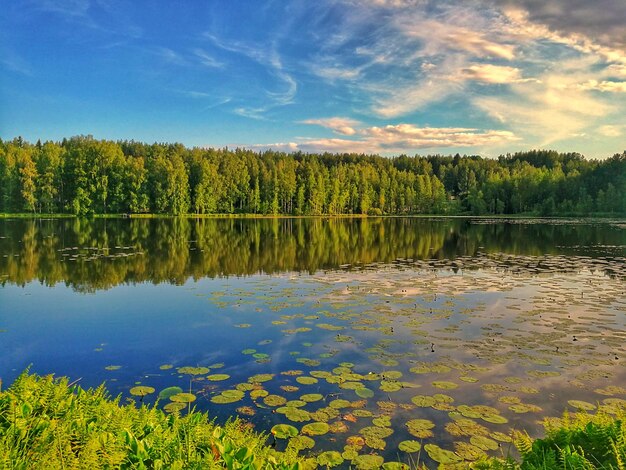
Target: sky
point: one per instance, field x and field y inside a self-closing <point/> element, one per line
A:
<point x="389" y="77"/>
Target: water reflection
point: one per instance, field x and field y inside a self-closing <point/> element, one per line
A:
<point x="91" y="254"/>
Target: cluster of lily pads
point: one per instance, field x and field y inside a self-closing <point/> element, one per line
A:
<point x="486" y="346"/>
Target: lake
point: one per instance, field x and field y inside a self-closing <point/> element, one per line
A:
<point x="372" y="336"/>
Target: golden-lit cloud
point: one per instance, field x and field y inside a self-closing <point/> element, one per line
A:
<point x="489" y="73"/>
<point x="393" y="138"/>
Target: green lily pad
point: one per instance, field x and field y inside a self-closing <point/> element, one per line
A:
<point x="581" y="405"/>
<point x="258" y="393"/>
<point x="306" y="380"/>
<point x="218" y="377"/>
<point x="113" y="367"/>
<point x="141" y="391"/>
<point x="410" y="446"/>
<point x="415" y="425"/>
<point x="440" y="455"/>
<point x="395" y="466"/>
<point x="468" y="451"/>
<point x="168" y="392"/>
<point x="248" y="351"/>
<point x="297" y="415"/>
<point x="311" y="397"/>
<point x="382" y="421"/>
<point x="183" y="398"/>
<point x="423" y="401"/>
<point x="166" y="367"/>
<point x="339" y="403"/>
<point x="274" y="400"/>
<point x="364" y="392"/>
<point x="174" y="406"/>
<point x="315" y="429"/>
<point x="375" y="442"/>
<point x="329" y="458"/>
<point x="484" y="443"/>
<point x="284" y="431"/>
<point x="193" y="370"/>
<point x="351" y="385"/>
<point x="380" y="432"/>
<point x="301" y="443"/>
<point x="388" y="386"/>
<point x="368" y="461"/>
<point x="260" y="378"/>
<point x="444" y="385"/>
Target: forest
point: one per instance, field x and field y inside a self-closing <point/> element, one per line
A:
<point x="84" y="176"/>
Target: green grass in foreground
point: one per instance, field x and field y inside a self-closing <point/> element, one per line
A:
<point x="49" y="423"/>
<point x="577" y="441"/>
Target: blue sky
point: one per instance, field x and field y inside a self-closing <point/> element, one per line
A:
<point x="372" y="76"/>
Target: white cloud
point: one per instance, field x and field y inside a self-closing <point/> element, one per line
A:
<point x="604" y="85"/>
<point x="344" y="126"/>
<point x="489" y="73"/>
<point x="611" y="130"/>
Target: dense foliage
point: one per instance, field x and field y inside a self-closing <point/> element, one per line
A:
<point x="47" y="423"/>
<point x="577" y="441"/>
<point x="82" y="176"/>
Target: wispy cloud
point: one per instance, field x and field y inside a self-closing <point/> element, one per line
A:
<point x="207" y="60"/>
<point x="10" y="60"/>
<point x="268" y="57"/>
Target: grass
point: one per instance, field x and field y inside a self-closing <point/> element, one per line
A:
<point x="50" y="423"/>
<point x="577" y="441"/>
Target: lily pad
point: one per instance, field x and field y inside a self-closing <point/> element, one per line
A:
<point x="440" y="455"/>
<point x="368" y="461"/>
<point x="311" y="397"/>
<point x="174" y="406"/>
<point x="581" y="405"/>
<point x="274" y="400"/>
<point x="315" y="429"/>
<point x="484" y="443"/>
<point x="301" y="443"/>
<point x="330" y="458"/>
<point x="306" y="380"/>
<point x="141" y="391"/>
<point x="284" y="431"/>
<point x="183" y="398"/>
<point x="258" y="393"/>
<point x="168" y="392"/>
<point x="410" y="446"/>
<point x="364" y="392"/>
<point x="444" y="385"/>
<point x="193" y="370"/>
<point x="218" y="377"/>
<point x="260" y="378"/>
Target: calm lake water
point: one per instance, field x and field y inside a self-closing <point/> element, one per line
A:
<point x="444" y="332"/>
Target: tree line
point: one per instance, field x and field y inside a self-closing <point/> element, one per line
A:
<point x="84" y="176"/>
